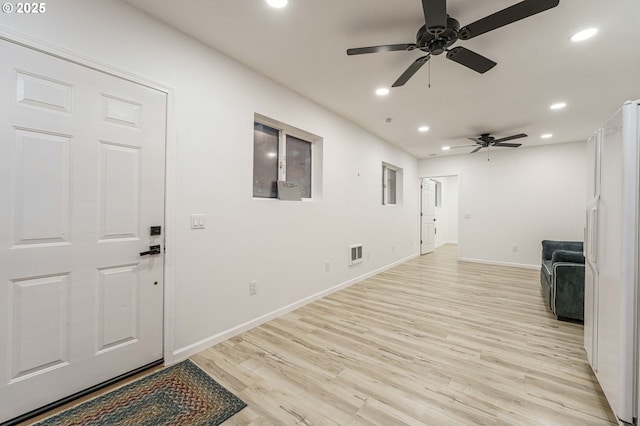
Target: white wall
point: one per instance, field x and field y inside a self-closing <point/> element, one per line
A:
<point x="517" y="199"/>
<point x="447" y="211"/>
<point x="283" y="245"/>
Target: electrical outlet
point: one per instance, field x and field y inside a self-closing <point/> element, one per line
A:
<point x="393" y="248"/>
<point x="253" y="288"/>
<point x="515" y="249"/>
<point x="327" y="266"/>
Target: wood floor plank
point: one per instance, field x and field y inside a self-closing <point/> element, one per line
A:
<point x="433" y="341"/>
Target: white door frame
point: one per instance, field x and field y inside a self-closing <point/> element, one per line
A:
<point x="170" y="164"/>
<point x="459" y="218"/>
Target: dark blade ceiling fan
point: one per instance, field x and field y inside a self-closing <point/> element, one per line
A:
<point x="486" y="140"/>
<point x="441" y="31"/>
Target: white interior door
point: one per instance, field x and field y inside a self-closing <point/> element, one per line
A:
<point x="427" y="216"/>
<point x="81" y="182"/>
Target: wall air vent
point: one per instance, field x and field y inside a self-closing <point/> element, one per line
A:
<point x="355" y="254"/>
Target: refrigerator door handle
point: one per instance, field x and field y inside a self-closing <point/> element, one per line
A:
<point x="591" y="240"/>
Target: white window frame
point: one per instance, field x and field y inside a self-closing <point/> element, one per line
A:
<point x="386" y="201"/>
<point x="316" y="142"/>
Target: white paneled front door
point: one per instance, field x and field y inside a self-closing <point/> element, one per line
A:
<point x="81" y="182"/>
<point x="428" y="216"/>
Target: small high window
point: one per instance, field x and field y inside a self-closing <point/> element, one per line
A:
<point x="390" y="178"/>
<point x="284" y="154"/>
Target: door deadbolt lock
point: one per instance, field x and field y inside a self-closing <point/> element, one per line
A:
<point x="152" y="250"/>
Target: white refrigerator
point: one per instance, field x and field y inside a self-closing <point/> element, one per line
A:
<point x="611" y="253"/>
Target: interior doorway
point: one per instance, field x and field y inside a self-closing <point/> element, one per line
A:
<point x="439" y="212"/>
<point x="427" y="215"/>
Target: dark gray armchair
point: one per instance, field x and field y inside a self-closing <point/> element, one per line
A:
<point x="562" y="278"/>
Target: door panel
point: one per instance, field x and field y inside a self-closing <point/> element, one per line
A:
<point x="44" y="93"/>
<point x="82" y="179"/>
<point x="43" y="166"/>
<point x="428" y="212"/>
<point x="38" y="325"/>
<point x="118" y="289"/>
<point x="119" y="199"/>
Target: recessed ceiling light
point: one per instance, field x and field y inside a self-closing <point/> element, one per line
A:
<point x="446" y="148"/>
<point x="423" y="129"/>
<point x="584" y="34"/>
<point x="382" y="91"/>
<point x="546" y="136"/>
<point x="558" y="105"/>
<point x="277" y="3"/>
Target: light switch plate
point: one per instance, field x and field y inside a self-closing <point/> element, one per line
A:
<point x="198" y="221"/>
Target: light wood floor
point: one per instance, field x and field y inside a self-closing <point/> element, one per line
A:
<point x="433" y="341"/>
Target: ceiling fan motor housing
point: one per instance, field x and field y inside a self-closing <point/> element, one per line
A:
<point x="487" y="138"/>
<point x="438" y="44"/>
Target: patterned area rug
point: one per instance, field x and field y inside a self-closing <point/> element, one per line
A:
<point x="182" y="394"/>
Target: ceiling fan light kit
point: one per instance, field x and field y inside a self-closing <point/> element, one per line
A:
<point x="441" y="31"/>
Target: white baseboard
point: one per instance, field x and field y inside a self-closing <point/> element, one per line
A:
<point x="185" y="352"/>
<point x="497" y="263"/>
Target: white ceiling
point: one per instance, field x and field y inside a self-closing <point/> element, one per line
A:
<point x="303" y="47"/>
